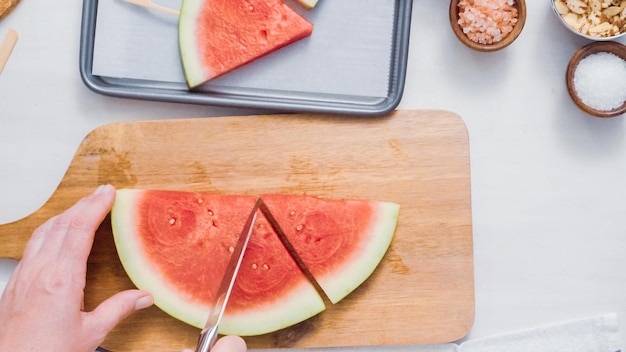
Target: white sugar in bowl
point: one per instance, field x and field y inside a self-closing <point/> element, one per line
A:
<point x="596" y="78"/>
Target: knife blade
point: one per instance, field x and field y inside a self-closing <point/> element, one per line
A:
<point x="208" y="335"/>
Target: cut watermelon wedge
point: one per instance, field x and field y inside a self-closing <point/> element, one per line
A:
<point x="340" y="242"/>
<point x="176" y="245"/>
<point x="218" y="36"/>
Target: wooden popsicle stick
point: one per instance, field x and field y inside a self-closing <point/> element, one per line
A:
<point x="149" y="4"/>
<point x="7" y="46"/>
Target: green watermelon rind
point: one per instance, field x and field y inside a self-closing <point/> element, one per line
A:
<point x="303" y="303"/>
<point x="195" y="71"/>
<point x="341" y="282"/>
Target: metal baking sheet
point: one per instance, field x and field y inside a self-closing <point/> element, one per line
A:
<point x="353" y="63"/>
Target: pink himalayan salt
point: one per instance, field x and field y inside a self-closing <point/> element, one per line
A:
<point x="487" y="21"/>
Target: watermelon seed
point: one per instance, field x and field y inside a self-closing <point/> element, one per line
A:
<point x="200" y="201"/>
<point x="210" y="212"/>
<point x="231" y="249"/>
<point x="292" y="213"/>
<point x="254" y="266"/>
<point x="266" y="267"/>
<point x="172" y="221"/>
<point x="299" y="227"/>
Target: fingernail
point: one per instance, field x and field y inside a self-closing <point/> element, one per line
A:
<point x="144" y="302"/>
<point x="101" y="189"/>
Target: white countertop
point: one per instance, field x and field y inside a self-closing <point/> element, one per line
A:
<point x="548" y="181"/>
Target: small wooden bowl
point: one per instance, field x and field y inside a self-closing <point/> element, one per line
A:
<point x="589" y="49"/>
<point x="506" y="41"/>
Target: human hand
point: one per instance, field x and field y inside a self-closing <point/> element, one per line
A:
<point x="227" y="344"/>
<point x="42" y="308"/>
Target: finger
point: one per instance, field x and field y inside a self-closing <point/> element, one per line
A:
<point x="49" y="238"/>
<point x="84" y="219"/>
<point x="230" y="343"/>
<point x="227" y="344"/>
<point x="113" y="310"/>
<point x="35" y="243"/>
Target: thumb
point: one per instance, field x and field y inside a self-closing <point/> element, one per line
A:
<point x="116" y="308"/>
<point x="230" y="343"/>
<point x="227" y="344"/>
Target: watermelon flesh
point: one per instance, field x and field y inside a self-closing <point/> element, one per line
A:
<point x="340" y="242"/>
<point x="176" y="245"/>
<point x="218" y="36"/>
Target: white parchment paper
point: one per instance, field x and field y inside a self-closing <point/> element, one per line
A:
<point x="349" y="52"/>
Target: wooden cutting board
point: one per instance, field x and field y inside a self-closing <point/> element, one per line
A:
<point x="421" y="293"/>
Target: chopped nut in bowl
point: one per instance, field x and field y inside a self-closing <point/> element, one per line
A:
<point x="596" y="78"/>
<point x="487" y="25"/>
<point x="593" y="19"/>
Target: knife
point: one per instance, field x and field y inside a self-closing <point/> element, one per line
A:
<point x="208" y="335"/>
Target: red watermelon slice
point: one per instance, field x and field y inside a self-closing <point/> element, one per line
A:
<point x="217" y="36"/>
<point x="176" y="245"/>
<point x="339" y="241"/>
